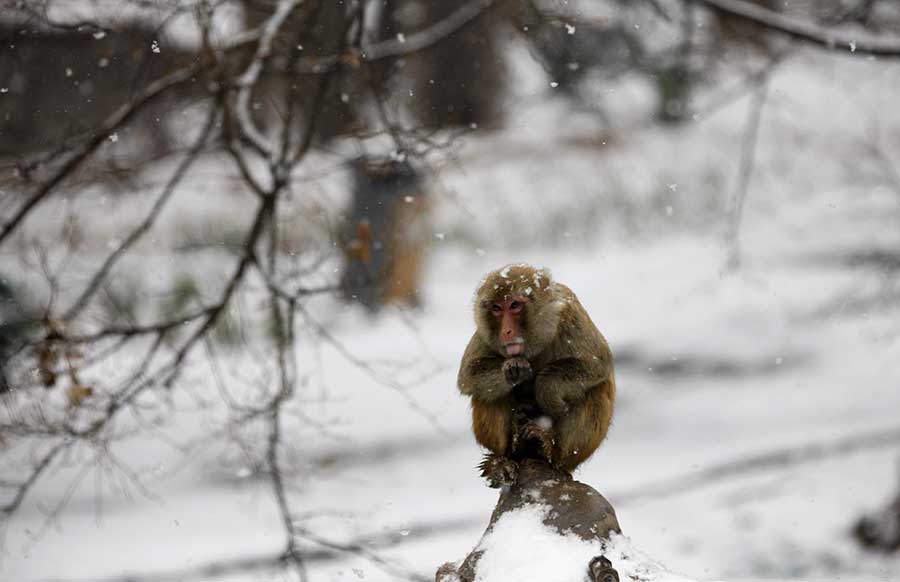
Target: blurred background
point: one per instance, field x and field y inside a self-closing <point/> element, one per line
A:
<point x="239" y="241"/>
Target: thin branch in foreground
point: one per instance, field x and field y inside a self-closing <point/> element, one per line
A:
<point x="856" y="43"/>
<point x="36" y="471"/>
<point x="748" y="156"/>
<point x="83" y="151"/>
<point x="148" y="221"/>
<point x="249" y="78"/>
<point x="323" y="333"/>
<point x="402" y="46"/>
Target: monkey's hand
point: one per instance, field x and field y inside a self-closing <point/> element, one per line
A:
<point x="517" y="370"/>
<point x="498" y="470"/>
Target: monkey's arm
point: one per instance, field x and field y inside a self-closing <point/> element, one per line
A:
<point x="563" y="383"/>
<point x="481" y="374"/>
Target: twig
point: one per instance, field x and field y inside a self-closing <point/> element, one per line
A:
<point x="748" y="154"/>
<point x="36" y="471"/>
<point x="81" y="152"/>
<point x="251" y="75"/>
<point x="398" y="47"/>
<point x="137" y="233"/>
<point x="861" y="44"/>
<point x="366" y="367"/>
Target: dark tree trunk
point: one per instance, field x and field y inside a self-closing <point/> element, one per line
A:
<point x="459" y="81"/>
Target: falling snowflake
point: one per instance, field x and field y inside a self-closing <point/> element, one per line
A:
<point x="154" y="46"/>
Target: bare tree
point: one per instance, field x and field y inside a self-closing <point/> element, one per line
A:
<point x="74" y="337"/>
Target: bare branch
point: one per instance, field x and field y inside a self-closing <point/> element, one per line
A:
<point x="428" y="36"/>
<point x="856" y="43"/>
<point x="397" y="47"/>
<point x="366" y="367"/>
<point x="137" y="233"/>
<point x="251" y="75"/>
<point x="161" y="328"/>
<point x="36" y="471"/>
<point x="81" y="152"/>
<point x="748" y="155"/>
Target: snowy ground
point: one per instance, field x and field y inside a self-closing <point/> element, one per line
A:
<point x="802" y="345"/>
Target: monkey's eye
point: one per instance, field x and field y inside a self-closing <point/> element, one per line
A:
<point x="516" y="306"/>
<point x="496" y="309"/>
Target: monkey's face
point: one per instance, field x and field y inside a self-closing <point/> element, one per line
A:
<point x="509" y="316"/>
<point x="515" y="311"/>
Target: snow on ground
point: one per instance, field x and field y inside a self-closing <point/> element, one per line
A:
<point x="800" y="345"/>
<point x="503" y="558"/>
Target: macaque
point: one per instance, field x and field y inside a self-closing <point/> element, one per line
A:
<point x="536" y="366"/>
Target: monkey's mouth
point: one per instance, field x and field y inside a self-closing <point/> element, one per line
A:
<point x="516" y="348"/>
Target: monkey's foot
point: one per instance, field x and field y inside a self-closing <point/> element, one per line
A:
<point x="601" y="570"/>
<point x="498" y="470"/>
<point x="523" y="413"/>
<point x="540" y="431"/>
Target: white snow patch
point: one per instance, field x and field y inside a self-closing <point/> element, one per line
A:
<point x="555" y="557"/>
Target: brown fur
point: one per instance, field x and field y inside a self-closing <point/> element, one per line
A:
<point x="573" y="384"/>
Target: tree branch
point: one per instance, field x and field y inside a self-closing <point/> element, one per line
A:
<point x="147" y="223"/>
<point x="858" y="44"/>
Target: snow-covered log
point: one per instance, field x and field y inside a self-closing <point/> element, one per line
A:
<point x="547" y="527"/>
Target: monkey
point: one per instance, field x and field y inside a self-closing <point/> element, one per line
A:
<point x="535" y="347"/>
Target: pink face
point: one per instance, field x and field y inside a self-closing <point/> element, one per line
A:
<point x="509" y="313"/>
